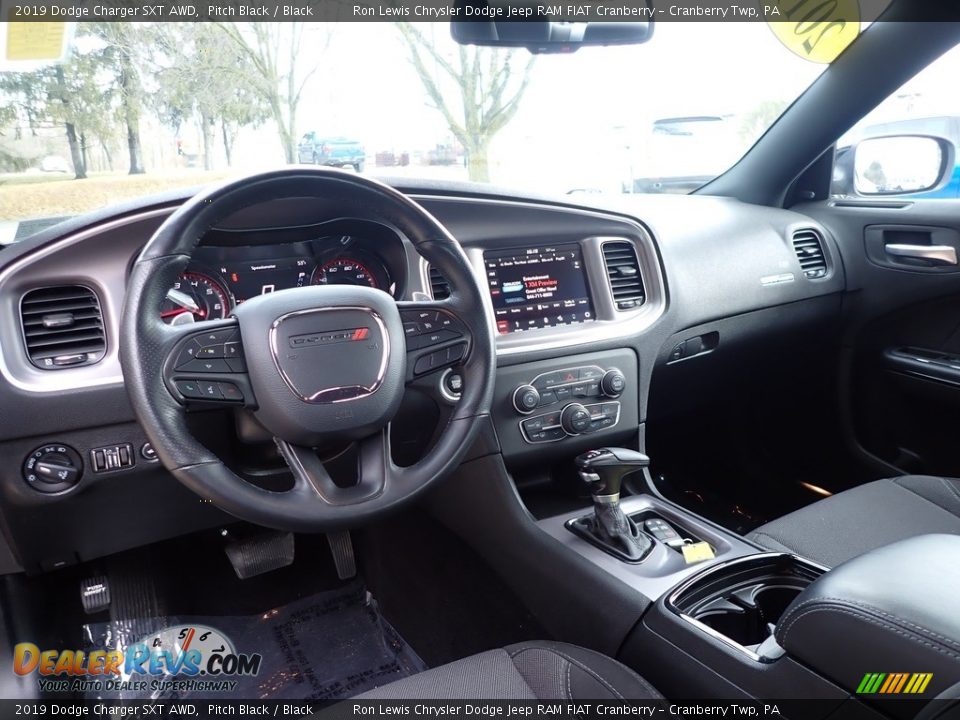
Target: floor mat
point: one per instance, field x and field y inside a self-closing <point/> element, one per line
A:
<point x="329" y="646"/>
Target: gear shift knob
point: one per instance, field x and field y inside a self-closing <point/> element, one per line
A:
<point x="611" y="529"/>
<point x="605" y="468"/>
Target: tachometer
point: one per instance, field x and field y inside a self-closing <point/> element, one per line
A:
<point x="343" y="271"/>
<point x="195" y="297"/>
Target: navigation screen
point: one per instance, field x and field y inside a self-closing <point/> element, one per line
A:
<point x="537" y="287"/>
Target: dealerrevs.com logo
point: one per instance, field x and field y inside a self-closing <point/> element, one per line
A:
<point x="179" y="658"/>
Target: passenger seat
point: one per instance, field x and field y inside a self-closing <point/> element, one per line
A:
<point x="850" y="523"/>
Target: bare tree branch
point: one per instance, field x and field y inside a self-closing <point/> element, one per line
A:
<point x="482" y="79"/>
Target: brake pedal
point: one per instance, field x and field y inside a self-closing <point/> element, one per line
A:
<point x="341" y="546"/>
<point x="95" y="594"/>
<point x="260" y="554"/>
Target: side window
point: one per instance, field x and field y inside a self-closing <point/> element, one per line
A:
<point x="908" y="145"/>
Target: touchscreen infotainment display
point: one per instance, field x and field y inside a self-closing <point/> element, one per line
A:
<point x="537" y="287"/>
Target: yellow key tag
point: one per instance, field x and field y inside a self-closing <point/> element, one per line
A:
<point x="697" y="552"/>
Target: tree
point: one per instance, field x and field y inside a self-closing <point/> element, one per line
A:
<point x="280" y="75"/>
<point x="205" y="75"/>
<point x="123" y="41"/>
<point x="489" y="85"/>
<point x="68" y="96"/>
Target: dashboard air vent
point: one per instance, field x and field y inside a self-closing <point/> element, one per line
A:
<point x="623" y="271"/>
<point x="439" y="286"/>
<point x="809" y="248"/>
<point x="62" y="327"/>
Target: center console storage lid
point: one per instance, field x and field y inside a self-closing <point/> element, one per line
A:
<point x="892" y="610"/>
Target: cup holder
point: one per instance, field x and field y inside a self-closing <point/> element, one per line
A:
<point x="748" y="621"/>
<point x="742" y="601"/>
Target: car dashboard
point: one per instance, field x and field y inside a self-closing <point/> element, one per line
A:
<point x="585" y="303"/>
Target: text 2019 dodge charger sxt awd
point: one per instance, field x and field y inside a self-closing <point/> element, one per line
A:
<point x="292" y="434"/>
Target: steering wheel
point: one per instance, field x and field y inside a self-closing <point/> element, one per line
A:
<point x="315" y="365"/>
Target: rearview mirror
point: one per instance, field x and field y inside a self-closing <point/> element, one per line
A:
<point x="543" y="28"/>
<point x="901" y="164"/>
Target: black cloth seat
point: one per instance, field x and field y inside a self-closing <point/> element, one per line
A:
<point x="528" y="671"/>
<point x="850" y="523"/>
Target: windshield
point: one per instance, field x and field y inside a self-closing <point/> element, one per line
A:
<point x="137" y="108"/>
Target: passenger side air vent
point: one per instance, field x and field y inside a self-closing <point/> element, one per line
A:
<point x="809" y="248"/>
<point x="439" y="286"/>
<point x="623" y="271"/>
<point x="62" y="327"/>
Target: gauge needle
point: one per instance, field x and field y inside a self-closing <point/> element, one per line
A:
<point x="183" y="300"/>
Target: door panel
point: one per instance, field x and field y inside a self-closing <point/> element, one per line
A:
<point x="900" y="372"/>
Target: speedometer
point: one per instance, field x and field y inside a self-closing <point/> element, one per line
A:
<point x="194" y="297"/>
<point x="343" y="271"/>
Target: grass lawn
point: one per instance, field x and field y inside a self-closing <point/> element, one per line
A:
<point x="41" y="195"/>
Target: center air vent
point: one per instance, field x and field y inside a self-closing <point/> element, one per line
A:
<point x="62" y="327"/>
<point x="809" y="248"/>
<point x="623" y="271"/>
<point x="439" y="286"/>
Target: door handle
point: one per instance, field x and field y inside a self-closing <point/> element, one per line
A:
<point x="934" y="254"/>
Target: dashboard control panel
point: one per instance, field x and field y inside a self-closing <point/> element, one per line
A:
<point x="568" y="390"/>
<point x="567" y="400"/>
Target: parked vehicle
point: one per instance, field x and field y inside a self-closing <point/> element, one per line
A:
<point x="332" y="151"/>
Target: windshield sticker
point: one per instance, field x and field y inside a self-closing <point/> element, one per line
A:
<point x="815" y="30"/>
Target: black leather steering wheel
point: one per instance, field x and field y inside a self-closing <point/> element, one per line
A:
<point x="315" y="364"/>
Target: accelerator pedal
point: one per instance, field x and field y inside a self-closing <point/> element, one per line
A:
<point x="260" y="553"/>
<point x="95" y="594"/>
<point x="342" y="548"/>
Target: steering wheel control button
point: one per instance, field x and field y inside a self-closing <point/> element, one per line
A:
<point x="210" y="390"/>
<point x="206" y="366"/>
<point x="211" y="351"/>
<point x="148" y="453"/>
<point x="526" y="398"/>
<point x="423" y="328"/>
<point x="190" y="389"/>
<point x="53" y="468"/>
<point x="188" y="353"/>
<point x="231" y="392"/>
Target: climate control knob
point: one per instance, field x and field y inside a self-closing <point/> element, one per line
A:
<point x="525" y="399"/>
<point x="575" y="419"/>
<point x="613" y="383"/>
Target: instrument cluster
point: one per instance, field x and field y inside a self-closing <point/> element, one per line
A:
<point x="221" y="277"/>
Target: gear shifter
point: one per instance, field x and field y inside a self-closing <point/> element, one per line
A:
<point x="604" y="470"/>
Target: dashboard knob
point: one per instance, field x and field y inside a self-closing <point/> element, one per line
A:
<point x="575" y="419"/>
<point x="52" y="468"/>
<point x="525" y="399"/>
<point x="613" y="383"/>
